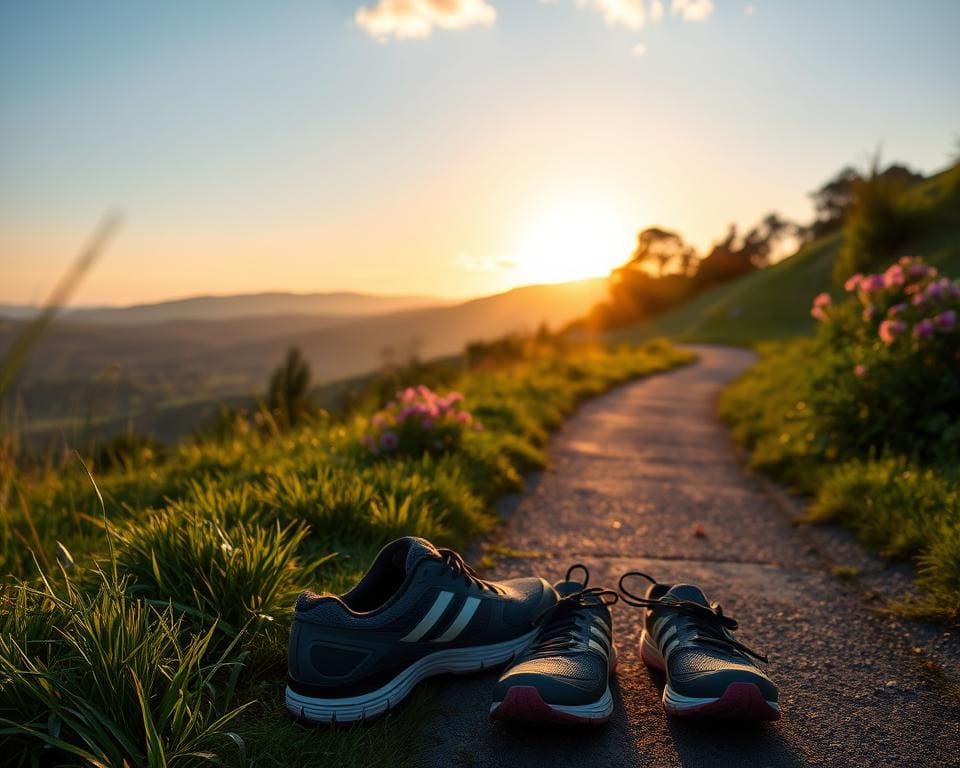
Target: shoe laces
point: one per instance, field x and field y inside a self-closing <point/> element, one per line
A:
<point x="711" y="625"/>
<point x="558" y="623"/>
<point x="460" y="569"/>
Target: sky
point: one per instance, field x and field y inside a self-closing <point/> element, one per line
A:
<point x="443" y="147"/>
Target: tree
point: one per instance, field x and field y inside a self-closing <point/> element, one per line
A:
<point x="734" y="255"/>
<point x="659" y="248"/>
<point x="287" y="393"/>
<point x="833" y="201"/>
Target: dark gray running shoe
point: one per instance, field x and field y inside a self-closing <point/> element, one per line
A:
<point x="708" y="672"/>
<point x="563" y="676"/>
<point x="419" y="611"/>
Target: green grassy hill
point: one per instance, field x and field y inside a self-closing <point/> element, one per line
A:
<point x="774" y="303"/>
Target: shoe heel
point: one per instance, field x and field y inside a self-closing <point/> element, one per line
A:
<point x="650" y="655"/>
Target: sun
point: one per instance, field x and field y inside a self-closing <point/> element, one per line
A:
<point x="573" y="241"/>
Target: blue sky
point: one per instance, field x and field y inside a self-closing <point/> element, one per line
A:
<point x="303" y="146"/>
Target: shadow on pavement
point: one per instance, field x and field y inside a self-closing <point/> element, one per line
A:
<point x="727" y="742"/>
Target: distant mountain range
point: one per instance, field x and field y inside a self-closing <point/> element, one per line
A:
<point x="116" y="366"/>
<point x="342" y="303"/>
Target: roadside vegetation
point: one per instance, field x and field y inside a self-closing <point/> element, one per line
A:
<point x="865" y="419"/>
<point x="146" y="603"/>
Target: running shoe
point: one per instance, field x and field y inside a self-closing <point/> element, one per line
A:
<point x="563" y="677"/>
<point x="419" y="611"/>
<point x="689" y="639"/>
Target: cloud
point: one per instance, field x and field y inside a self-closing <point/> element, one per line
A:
<point x="631" y="14"/>
<point x="415" y="19"/>
<point x="484" y="263"/>
<point x="692" y="10"/>
<point x="639" y="50"/>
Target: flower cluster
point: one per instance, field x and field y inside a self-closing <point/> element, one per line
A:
<point x="419" y="420"/>
<point x="908" y="300"/>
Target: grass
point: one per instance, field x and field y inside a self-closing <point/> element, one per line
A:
<point x="149" y="628"/>
<point x="896" y="506"/>
<point x="774" y="303"/>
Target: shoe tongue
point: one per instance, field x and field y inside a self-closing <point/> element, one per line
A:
<point x="565" y="588"/>
<point x="688" y="592"/>
<point x="411" y="550"/>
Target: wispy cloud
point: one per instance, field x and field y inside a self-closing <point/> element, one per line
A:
<point x="635" y="14"/>
<point x="692" y="10"/>
<point x="482" y="263"/>
<point x="416" y="19"/>
<point x="631" y="14"/>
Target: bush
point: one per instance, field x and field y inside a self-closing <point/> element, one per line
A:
<point x="878" y="225"/>
<point x="887" y="374"/>
<point x="419" y="420"/>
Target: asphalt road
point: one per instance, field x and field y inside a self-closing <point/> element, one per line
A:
<point x="646" y="478"/>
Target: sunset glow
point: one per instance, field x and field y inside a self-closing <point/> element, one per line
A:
<point x="573" y="241"/>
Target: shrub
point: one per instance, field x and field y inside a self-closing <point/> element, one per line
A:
<point x="419" y="420"/>
<point x="878" y="225"/>
<point x="888" y="369"/>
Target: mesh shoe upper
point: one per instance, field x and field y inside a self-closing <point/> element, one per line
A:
<point x="414" y="600"/>
<point x="700" y="653"/>
<point x="570" y="659"/>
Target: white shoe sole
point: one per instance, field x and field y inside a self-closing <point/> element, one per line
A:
<point x="355" y="708"/>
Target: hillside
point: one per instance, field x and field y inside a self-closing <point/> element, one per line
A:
<point x="168" y="377"/>
<point x="774" y="303"/>
<point x="340" y="303"/>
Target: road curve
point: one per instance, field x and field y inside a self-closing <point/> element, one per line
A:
<point x="646" y="478"/>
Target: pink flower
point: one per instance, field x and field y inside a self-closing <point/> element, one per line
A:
<point x="894" y="276"/>
<point x="478" y="426"/>
<point x="820" y="303"/>
<point x="924" y="329"/>
<point x="946" y="321"/>
<point x="896" y="310"/>
<point x="934" y="291"/>
<point x="869" y="313"/>
<point x="464" y="418"/>
<point x="890" y="329"/>
<point x="860" y="371"/>
<point x="853" y="282"/>
<point x="389" y="440"/>
<point x="872" y="283"/>
<point x="917" y="270"/>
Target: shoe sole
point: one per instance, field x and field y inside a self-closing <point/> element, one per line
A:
<point x="524" y="703"/>
<point x="743" y="701"/>
<point x="369" y="705"/>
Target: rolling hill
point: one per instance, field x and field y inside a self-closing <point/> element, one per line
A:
<point x="774" y="303"/>
<point x="267" y="304"/>
<point x="143" y="373"/>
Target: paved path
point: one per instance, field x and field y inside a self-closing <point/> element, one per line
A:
<point x="635" y="476"/>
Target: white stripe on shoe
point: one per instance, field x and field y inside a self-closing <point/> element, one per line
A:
<point x="430" y="618"/>
<point x="463" y="618"/>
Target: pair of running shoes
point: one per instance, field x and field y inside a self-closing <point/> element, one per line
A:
<point x="421" y="611"/>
